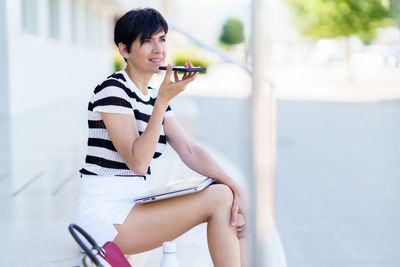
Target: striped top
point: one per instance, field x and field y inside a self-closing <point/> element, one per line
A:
<point x="117" y="94"/>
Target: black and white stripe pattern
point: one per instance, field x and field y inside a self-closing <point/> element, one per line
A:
<point x="117" y="94"/>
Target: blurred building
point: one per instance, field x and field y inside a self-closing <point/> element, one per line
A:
<point x="52" y="50"/>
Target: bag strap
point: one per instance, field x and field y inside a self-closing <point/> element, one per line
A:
<point x="72" y="229"/>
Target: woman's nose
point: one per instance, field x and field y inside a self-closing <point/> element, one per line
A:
<point x="157" y="47"/>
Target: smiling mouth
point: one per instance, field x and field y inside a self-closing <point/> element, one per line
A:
<point x="159" y="60"/>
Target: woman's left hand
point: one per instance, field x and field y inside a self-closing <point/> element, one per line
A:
<point x="240" y="207"/>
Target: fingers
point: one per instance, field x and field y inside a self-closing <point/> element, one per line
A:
<point x="235" y="211"/>
<point x="167" y="77"/>
<point x="185" y="75"/>
<point x="242" y="231"/>
<point x="189" y="75"/>
<point x="190" y="65"/>
<point x="176" y="76"/>
<point x="169" y="89"/>
<point x="240" y="216"/>
<point x="186" y="78"/>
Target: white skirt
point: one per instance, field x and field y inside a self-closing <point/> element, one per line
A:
<point x="105" y="201"/>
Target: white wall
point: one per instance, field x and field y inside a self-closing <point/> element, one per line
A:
<point x="4" y="87"/>
<point x="45" y="71"/>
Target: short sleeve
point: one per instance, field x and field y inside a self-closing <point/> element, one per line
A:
<point x="111" y="97"/>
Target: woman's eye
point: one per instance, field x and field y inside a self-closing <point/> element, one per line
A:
<point x="146" y="41"/>
<point x="163" y="40"/>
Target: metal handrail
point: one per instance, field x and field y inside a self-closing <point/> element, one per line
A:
<point x="224" y="56"/>
<point x="219" y="52"/>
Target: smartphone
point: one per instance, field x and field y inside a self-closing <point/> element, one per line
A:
<point x="183" y="69"/>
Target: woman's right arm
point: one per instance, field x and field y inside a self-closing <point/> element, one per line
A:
<point x="137" y="150"/>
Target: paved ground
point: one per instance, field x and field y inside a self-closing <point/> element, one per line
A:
<point x="39" y="185"/>
<point x="337" y="183"/>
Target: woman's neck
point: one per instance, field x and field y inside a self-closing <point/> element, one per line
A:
<point x="140" y="79"/>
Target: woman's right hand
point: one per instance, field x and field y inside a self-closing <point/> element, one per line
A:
<point x="169" y="89"/>
<point x="240" y="208"/>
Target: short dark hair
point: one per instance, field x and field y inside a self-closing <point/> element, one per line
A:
<point x="142" y="22"/>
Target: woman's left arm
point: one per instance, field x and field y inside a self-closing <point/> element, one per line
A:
<point x="199" y="160"/>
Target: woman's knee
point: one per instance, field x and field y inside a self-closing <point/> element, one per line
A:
<point x="220" y="196"/>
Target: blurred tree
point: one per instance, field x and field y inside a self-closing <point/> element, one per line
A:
<point x="395" y="10"/>
<point x="340" y="18"/>
<point x="232" y="32"/>
<point x="336" y="18"/>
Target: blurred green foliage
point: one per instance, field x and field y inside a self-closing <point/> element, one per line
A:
<point x="395" y="10"/>
<point x="118" y="61"/>
<point x="335" y="18"/>
<point x="232" y="32"/>
<point x="183" y="56"/>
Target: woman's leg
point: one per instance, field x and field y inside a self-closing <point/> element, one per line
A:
<point x="244" y="252"/>
<point x="149" y="225"/>
<point x="244" y="246"/>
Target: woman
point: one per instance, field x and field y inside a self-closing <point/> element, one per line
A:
<point x="129" y="125"/>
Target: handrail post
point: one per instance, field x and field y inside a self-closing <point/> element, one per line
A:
<point x="263" y="144"/>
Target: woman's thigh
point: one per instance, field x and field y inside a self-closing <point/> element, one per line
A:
<point x="149" y="225"/>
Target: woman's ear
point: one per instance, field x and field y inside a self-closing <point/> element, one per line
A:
<point x="123" y="51"/>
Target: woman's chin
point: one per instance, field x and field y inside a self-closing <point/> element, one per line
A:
<point x="155" y="69"/>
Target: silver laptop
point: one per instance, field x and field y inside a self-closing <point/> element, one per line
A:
<point x="176" y="188"/>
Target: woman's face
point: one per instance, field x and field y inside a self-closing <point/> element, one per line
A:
<point x="148" y="56"/>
